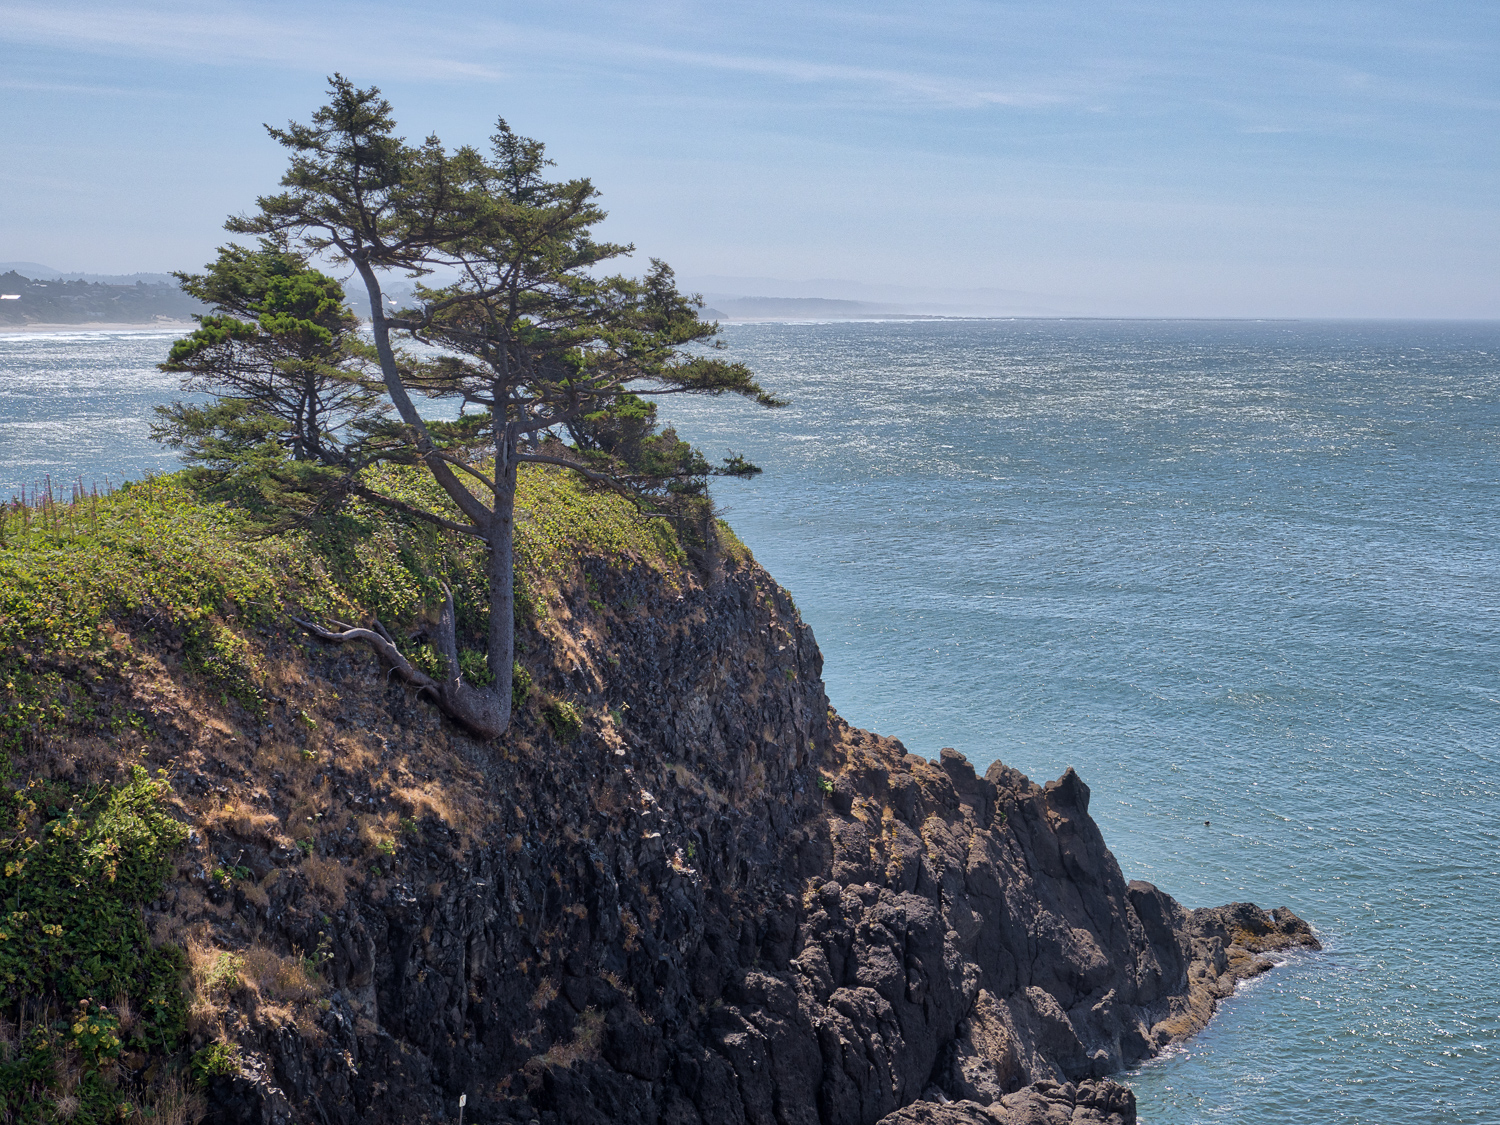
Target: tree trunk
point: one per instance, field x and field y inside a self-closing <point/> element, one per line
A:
<point x="484" y="711"/>
<point x="502" y="571"/>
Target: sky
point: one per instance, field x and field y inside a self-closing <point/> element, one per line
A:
<point x="1093" y="158"/>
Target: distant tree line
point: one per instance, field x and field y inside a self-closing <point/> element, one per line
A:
<point x="83" y="302"/>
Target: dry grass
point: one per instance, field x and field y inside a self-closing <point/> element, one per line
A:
<point x="242" y="821"/>
<point x="258" y="894"/>
<point x="125" y="1014"/>
<point x="69" y="1075"/>
<point x="545" y="993"/>
<point x="583" y="1045"/>
<point x="690" y="781"/>
<point x="176" y="1102"/>
<point x="375" y="829"/>
<point x="279" y="979"/>
<point x="431" y="800"/>
<point x="211" y="971"/>
<point x="328" y="877"/>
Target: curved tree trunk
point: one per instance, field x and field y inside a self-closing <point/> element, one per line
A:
<point x="484" y="712"/>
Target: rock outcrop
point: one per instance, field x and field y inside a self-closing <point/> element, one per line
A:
<point x="718" y="903"/>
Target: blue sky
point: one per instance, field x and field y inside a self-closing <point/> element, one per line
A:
<point x="1200" y="159"/>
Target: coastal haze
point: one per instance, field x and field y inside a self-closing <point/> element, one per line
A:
<point x="1242" y="574"/>
<point x="1156" y="159"/>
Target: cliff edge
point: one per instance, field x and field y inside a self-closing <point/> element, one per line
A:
<point x="682" y="889"/>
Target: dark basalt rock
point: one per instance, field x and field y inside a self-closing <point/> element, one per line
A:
<point x="692" y="931"/>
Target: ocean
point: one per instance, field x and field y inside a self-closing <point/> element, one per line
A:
<point x="1242" y="576"/>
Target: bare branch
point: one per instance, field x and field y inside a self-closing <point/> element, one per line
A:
<point x="386" y="648"/>
<point x="416" y="512"/>
<point x="543" y="459"/>
<point x="473" y="472"/>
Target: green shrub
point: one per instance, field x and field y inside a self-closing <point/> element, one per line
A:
<point x="222" y="656"/>
<point x="520" y="686"/>
<point x="78" y="866"/>
<point x="564" y="719"/>
<point x="217" y="1060"/>
<point x="428" y="659"/>
<point x="94" y="1032"/>
<point x="475" y="668"/>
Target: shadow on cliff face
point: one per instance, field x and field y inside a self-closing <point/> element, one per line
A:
<point x="703" y="899"/>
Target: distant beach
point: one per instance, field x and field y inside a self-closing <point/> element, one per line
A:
<point x="95" y="326"/>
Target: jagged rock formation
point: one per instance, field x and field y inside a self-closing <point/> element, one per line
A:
<point x="717" y="904"/>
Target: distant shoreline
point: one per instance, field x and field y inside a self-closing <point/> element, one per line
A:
<point x="94" y="326"/>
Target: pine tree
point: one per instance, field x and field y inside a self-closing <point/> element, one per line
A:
<point x="529" y="334"/>
<point x="296" y="392"/>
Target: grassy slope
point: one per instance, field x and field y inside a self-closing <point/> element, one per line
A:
<point x="121" y="616"/>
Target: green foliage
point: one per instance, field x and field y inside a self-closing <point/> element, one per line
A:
<point x="520" y="686"/>
<point x="94" y="1033"/>
<point x="825" y="786"/>
<point x="158" y="569"/>
<point x="78" y="867"/>
<point x="217" y="1060"/>
<point x="475" y="668"/>
<point x="661" y="471"/>
<point x="224" y="658"/>
<point x="226" y="974"/>
<point x="563" y="718"/>
<point x="225" y="876"/>
<point x="566" y="521"/>
<point x="534" y="335"/>
<point x="285" y="360"/>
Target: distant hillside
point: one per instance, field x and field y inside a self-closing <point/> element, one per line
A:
<point x="38" y="272"/>
<point x="24" y="300"/>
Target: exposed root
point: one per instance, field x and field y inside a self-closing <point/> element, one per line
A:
<point x="484" y="713"/>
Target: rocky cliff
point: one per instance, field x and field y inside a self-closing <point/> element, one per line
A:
<point x="682" y="890"/>
<point x="668" y="919"/>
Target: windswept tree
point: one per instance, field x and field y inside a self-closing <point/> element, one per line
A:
<point x="296" y="391"/>
<point x="532" y="336"/>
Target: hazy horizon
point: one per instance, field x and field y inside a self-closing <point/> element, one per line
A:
<point x="1130" y="159"/>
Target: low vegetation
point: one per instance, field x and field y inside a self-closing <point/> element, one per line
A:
<point x="106" y="593"/>
<point x="82" y="985"/>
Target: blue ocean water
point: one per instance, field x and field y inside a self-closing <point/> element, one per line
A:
<point x="1243" y="574"/>
<point x="80" y="404"/>
<point x="1236" y="573"/>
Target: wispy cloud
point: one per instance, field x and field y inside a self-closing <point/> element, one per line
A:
<point x="223" y="34"/>
<point x="397" y="46"/>
<point x="938" y="91"/>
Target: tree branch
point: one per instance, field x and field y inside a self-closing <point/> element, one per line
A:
<point x="543" y="459"/>
<point x="387" y="650"/>
<point x="416" y="512"/>
<point x="473" y="472"/>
